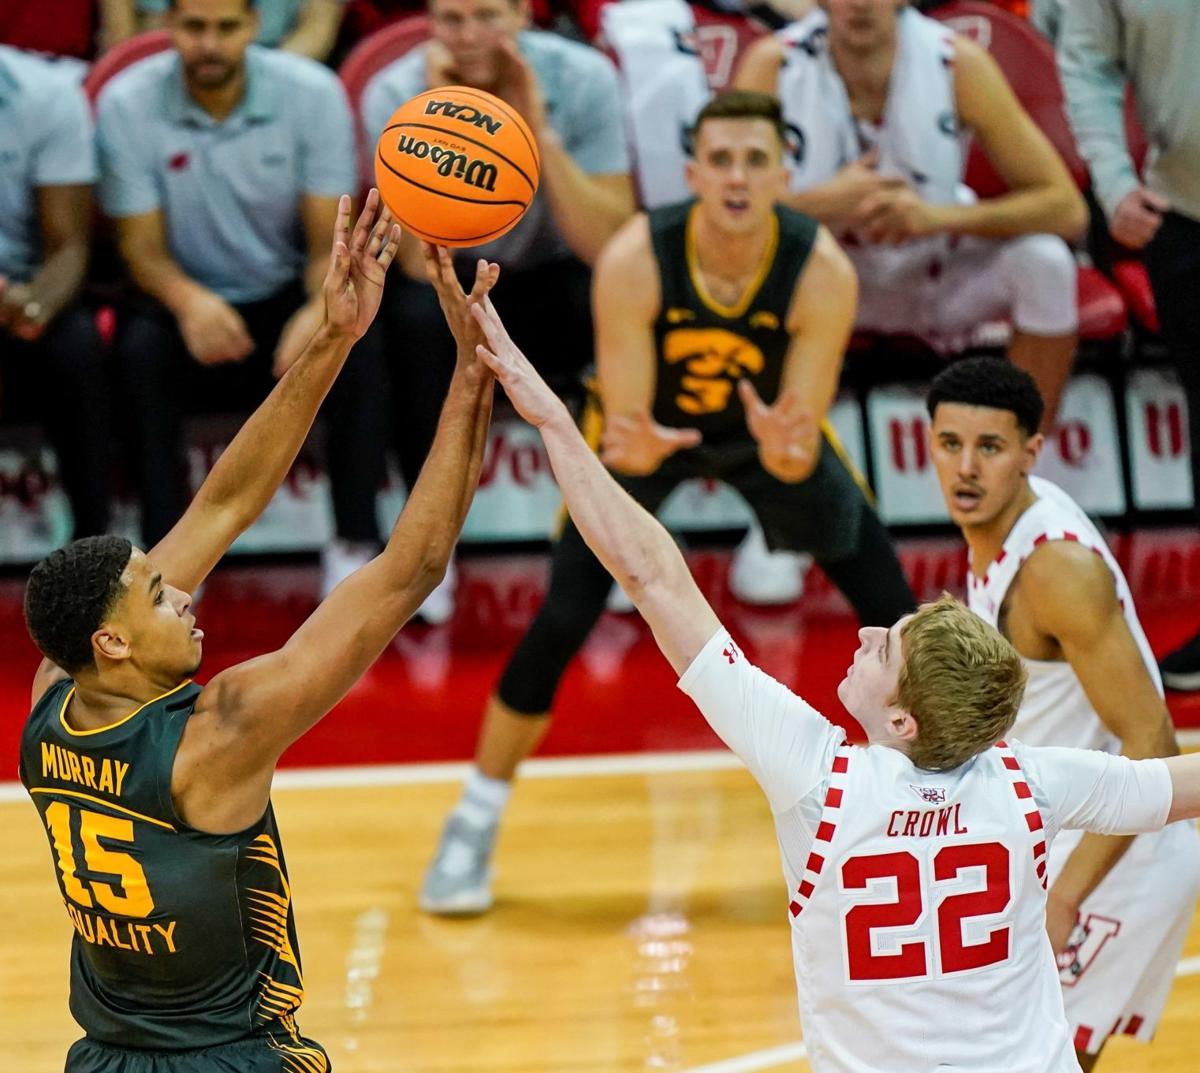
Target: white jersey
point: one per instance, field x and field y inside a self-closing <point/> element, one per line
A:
<point x="918" y="138"/>
<point x="1056" y="711"/>
<point x="1120" y="962"/>
<point x="917" y="898"/>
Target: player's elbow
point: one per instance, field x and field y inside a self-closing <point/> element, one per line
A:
<point x="1069" y="212"/>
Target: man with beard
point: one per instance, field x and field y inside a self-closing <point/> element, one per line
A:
<point x="221" y="163"/>
<point x="1118" y="908"/>
<point x="155" y="790"/>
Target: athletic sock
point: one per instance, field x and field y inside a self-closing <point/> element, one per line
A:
<point x="483" y="800"/>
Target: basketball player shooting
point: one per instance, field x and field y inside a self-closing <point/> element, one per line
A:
<point x="916" y="867"/>
<point x="155" y="791"/>
<point x="1118" y="909"/>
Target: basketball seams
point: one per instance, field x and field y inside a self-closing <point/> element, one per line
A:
<point x="441" y="193"/>
<point x="491" y="101"/>
<point x="482" y="145"/>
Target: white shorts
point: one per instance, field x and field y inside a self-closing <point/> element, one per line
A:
<point x="1029" y="282"/>
<point x="1118" y="969"/>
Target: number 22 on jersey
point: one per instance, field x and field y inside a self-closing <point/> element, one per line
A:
<point x="951" y="905"/>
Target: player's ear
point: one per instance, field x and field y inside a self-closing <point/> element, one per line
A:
<point x="110" y="642"/>
<point x="902" y="725"/>
<point x="1033" y="448"/>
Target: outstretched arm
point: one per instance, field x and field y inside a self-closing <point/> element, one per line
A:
<point x="253" y="466"/>
<point x="249" y="714"/>
<point x="632" y="545"/>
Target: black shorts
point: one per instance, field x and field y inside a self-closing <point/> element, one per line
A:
<point x="261" y="1053"/>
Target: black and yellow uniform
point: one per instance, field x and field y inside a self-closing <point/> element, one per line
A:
<point x="703" y="349"/>
<point x="184" y="956"/>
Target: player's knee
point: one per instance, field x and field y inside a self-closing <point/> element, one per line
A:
<point x="1041" y="273"/>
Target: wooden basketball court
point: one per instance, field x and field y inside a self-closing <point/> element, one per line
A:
<point x="640" y="926"/>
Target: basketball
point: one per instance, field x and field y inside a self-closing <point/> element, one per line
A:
<point x="456" y="166"/>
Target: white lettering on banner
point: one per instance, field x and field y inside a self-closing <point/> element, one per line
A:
<point x="1082" y="453"/>
<point x="1160" y="459"/>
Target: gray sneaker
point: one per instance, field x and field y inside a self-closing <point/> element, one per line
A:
<point x="459" y="881"/>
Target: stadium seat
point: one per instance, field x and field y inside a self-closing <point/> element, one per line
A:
<point x="117" y="58"/>
<point x="374" y="52"/>
<point x="1134" y="284"/>
<point x="1027" y="61"/>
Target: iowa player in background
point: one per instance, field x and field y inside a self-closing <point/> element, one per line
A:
<point x="155" y="790"/>
<point x="720" y="324"/>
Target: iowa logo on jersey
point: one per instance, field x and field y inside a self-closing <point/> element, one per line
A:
<point x="764" y="318"/>
<point x="676" y="315"/>
<point x="713" y="360"/>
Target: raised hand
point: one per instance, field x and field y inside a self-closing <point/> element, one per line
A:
<point x="358" y="266"/>
<point x="455" y="302"/>
<point x="637" y="444"/>
<point x="787" y="434"/>
<point x="526" y="390"/>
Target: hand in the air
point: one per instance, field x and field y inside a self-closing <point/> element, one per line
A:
<point x="527" y="391"/>
<point x="358" y="266"/>
<point x="455" y="302"/>
<point x="636" y="444"/>
<point x="787" y="434"/>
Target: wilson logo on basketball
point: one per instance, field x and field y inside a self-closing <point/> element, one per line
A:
<point x="449" y="162"/>
<point x="466" y="114"/>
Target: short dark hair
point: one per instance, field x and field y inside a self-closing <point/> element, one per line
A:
<point x="993" y="382"/>
<point x="68" y="595"/>
<point x="742" y="104"/>
<point x="250" y="4"/>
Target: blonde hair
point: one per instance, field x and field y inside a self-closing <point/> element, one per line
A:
<point x="961" y="681"/>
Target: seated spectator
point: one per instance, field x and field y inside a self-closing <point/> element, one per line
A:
<point x="305" y="27"/>
<point x="877" y="99"/>
<point x="568" y="94"/>
<point x="1105" y="47"/>
<point x="222" y="163"/>
<point x="50" y="351"/>
<point x="70" y="28"/>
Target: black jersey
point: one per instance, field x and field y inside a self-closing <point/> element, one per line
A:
<point x="703" y="347"/>
<point x="182" y="939"/>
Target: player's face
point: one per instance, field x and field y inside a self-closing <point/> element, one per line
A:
<point x="737" y="172"/>
<point x="861" y="26"/>
<point x="471" y="31"/>
<point x="871" y="680"/>
<point x="982" y="459"/>
<point x="154" y="622"/>
<point x="212" y="37"/>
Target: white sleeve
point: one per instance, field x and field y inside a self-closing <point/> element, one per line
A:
<point x="787" y="744"/>
<point x="1095" y="791"/>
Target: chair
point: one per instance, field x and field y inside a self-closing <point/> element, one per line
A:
<point x="376" y="51"/>
<point x="117" y="58"/>
<point x="1028" y="63"/>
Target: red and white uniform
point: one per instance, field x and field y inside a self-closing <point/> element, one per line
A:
<point x="917" y="898"/>
<point x="1121" y="962"/>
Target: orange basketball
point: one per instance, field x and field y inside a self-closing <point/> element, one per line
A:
<point x="456" y="166"/>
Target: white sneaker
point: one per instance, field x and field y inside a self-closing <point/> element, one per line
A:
<point x="339" y="559"/>
<point x="763" y="577"/>
<point x="439" y="604"/>
<point x="618" y="601"/>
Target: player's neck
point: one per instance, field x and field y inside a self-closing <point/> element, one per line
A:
<point x="987" y="540"/>
<point x="867" y="75"/>
<point x="100" y="702"/>
<point x="220" y="102"/>
<point x="729" y="255"/>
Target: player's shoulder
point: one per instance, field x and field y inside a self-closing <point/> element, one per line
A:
<point x="141" y="88"/>
<point x="540" y="46"/>
<point x="290" y="73"/>
<point x="1067" y="570"/>
<point x="630" y="247"/>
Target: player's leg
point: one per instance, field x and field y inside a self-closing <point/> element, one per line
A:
<point x="828" y="516"/>
<point x="75" y="405"/>
<point x="518" y="715"/>
<point x="272" y="1050"/>
<point x="1173" y="262"/>
<point x="153" y="362"/>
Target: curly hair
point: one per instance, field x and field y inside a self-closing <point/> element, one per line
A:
<point x="992" y="382"/>
<point x="68" y="595"/>
<point x="961" y="681"/>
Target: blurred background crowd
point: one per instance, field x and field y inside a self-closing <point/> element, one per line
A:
<point x="168" y="171"/>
